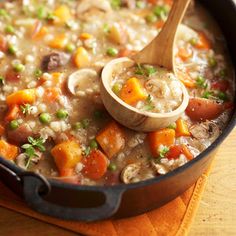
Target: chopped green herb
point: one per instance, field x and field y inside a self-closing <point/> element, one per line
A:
<point x="19" y="67"/>
<point x="161" y="11"/>
<point x="51" y="17"/>
<point x="150" y="70"/>
<point x="38" y="73"/>
<point x="30" y="148"/>
<point x="77" y="126"/>
<point x="42" y="13"/>
<point x="62" y="114"/>
<point x="14" y="124"/>
<point x="26" y="109"/>
<point x="163" y="151"/>
<point x="148" y="104"/>
<point x="172" y="126"/>
<point x="93" y="144"/>
<point x="45" y="118"/>
<point x="151" y="18"/>
<point x="201" y="82"/>
<point x="207" y="94"/>
<point x="85" y="123"/>
<point x="9" y="29"/>
<point x="212" y="62"/>
<point x="116" y="88"/>
<point x="112" y="167"/>
<point x="106" y="28"/>
<point x="87" y="151"/>
<point x="140" y="4"/>
<point x="115" y="4"/>
<point x="2" y="80"/>
<point x="112" y="52"/>
<point x="222" y="96"/>
<point x="145" y="70"/>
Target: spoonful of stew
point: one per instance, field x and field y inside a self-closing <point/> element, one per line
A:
<point x="143" y="92"/>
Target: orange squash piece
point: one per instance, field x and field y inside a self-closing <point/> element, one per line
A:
<point x="111" y="139"/>
<point x="21" y="97"/>
<point x="13" y="112"/>
<point x="62" y="14"/>
<point x="165" y="137"/>
<point x="181" y="128"/>
<point x="66" y="155"/>
<point x="8" y="151"/>
<point x="81" y="57"/>
<point x="132" y="91"/>
<point x="59" y="41"/>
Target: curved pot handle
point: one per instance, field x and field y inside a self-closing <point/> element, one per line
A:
<point x="32" y="184"/>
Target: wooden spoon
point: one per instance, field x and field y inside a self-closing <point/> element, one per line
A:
<point x="159" y="52"/>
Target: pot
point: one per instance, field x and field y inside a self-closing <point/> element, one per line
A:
<point x="90" y="203"/>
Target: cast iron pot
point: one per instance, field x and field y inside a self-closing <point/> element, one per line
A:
<point x="90" y="203"/>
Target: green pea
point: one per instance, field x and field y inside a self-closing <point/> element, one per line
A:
<point x="3" y="12"/>
<point x="77" y="126"/>
<point x="161" y="11"/>
<point x="41" y="13"/>
<point x="193" y="41"/>
<point x="93" y="144"/>
<point x="45" y="118"/>
<point x="19" y="67"/>
<point x="116" y="4"/>
<point x="140" y="4"/>
<point x="12" y="49"/>
<point x="116" y="88"/>
<point x="14" y="124"/>
<point x="70" y="47"/>
<point x="9" y="29"/>
<point x="38" y="73"/>
<point x="112" y="52"/>
<point x="85" y="123"/>
<point x="62" y="114"/>
<point x="212" y="62"/>
<point x="112" y="167"/>
<point x="151" y="18"/>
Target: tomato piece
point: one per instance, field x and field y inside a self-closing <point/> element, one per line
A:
<point x="201" y="109"/>
<point x="177" y="150"/>
<point x="221" y="85"/>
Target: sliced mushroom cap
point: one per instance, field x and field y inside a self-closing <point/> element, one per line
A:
<point x="159" y="168"/>
<point x="81" y="80"/>
<point x="205" y="130"/>
<point x="130" y="172"/>
<point x="86" y="5"/>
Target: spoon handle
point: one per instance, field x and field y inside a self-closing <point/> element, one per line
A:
<point x="161" y="50"/>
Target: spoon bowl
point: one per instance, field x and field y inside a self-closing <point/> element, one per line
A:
<point x="158" y="52"/>
<point x="129" y="116"/>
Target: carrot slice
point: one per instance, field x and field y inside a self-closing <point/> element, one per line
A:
<point x="132" y="91"/>
<point x="181" y="128"/>
<point x="59" y="42"/>
<point x="3" y="43"/>
<point x="203" y="42"/>
<point x="66" y="155"/>
<point x="176" y="150"/>
<point x="95" y="165"/>
<point x="8" y="150"/>
<point x="21" y="97"/>
<point x="111" y="139"/>
<point x="160" y="24"/>
<point x="165" y="137"/>
<point x="12" y="113"/>
<point x="39" y="31"/>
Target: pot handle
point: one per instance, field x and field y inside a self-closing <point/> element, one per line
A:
<point x="34" y="188"/>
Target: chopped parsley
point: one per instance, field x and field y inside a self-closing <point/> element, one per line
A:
<point x="145" y="70"/>
<point x="30" y="148"/>
<point x="201" y="82"/>
<point x="148" y="104"/>
<point x="26" y="108"/>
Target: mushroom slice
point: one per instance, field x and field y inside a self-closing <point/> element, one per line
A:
<point x="159" y="168"/>
<point x="205" y="130"/>
<point x="82" y="80"/>
<point x="130" y="172"/>
<point x="86" y="5"/>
